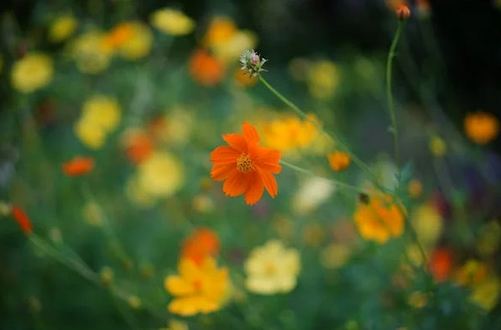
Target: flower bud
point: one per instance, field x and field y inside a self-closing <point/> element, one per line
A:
<point x="252" y="63"/>
<point x="403" y="12"/>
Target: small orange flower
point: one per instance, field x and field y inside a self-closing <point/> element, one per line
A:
<point x="339" y="160"/>
<point x="245" y="166"/>
<point x="441" y="264"/>
<point x="403" y="12"/>
<point x="78" y="166"/>
<point x="118" y="35"/>
<point x="243" y="79"/>
<point x="138" y="146"/>
<point x="22" y="219"/>
<point x="481" y="127"/>
<point x="206" y="69"/>
<point x="201" y="244"/>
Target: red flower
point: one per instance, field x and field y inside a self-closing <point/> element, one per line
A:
<point x="245" y="166"/>
<point x="78" y="166"/>
<point x="22" y="219"/>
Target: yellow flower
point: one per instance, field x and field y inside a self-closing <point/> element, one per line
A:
<point x="100" y="116"/>
<point x="272" y="269"/>
<point x="323" y="78"/>
<point x="90" y="52"/>
<point x="288" y="133"/>
<point x="32" y="72"/>
<point x="481" y="127"/>
<point x="489" y="238"/>
<point x="428" y="224"/>
<point x="62" y="28"/>
<point x="197" y="289"/>
<point x="379" y="219"/>
<point x="339" y="160"/>
<point x="171" y="21"/>
<point x="132" y="40"/>
<point x="486" y="293"/>
<point x="438" y="147"/>
<point x="220" y="30"/>
<point x="159" y="176"/>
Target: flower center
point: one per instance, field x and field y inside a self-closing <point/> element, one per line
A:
<point x="244" y="163"/>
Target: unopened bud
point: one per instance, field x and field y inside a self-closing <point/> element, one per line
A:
<point x="252" y="63"/>
<point x="403" y="12"/>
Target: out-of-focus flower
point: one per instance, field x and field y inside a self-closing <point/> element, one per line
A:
<point x="272" y="269"/>
<point x="205" y="68"/>
<point x="438" y="147"/>
<point x="415" y="188"/>
<point x="90" y="52"/>
<point x="441" y="264"/>
<point x="93" y="214"/>
<point x="100" y="116"/>
<point x="417" y="299"/>
<point x="481" y="127"/>
<point x="335" y="255"/>
<point x="472" y="272"/>
<point x="62" y="28"/>
<point x="252" y="63"/>
<point x="176" y="325"/>
<point x="284" y="227"/>
<point x="202" y="203"/>
<point x="489" y="238"/>
<point x="134" y="302"/>
<point x="220" y="31"/>
<point x="174" y="128"/>
<point x="202" y="243"/>
<point x="198" y="288"/>
<point x="323" y="78"/>
<point x="423" y="8"/>
<point x="22" y="219"/>
<point x="403" y="12"/>
<point x="313" y="234"/>
<point x="78" y="166"/>
<point x="106" y="275"/>
<point x="379" y="219"/>
<point x="311" y="194"/>
<point x="245" y="166"/>
<point x="288" y="133"/>
<point x="172" y="21"/>
<point x="159" y="176"/>
<point x="243" y="79"/>
<point x="339" y="160"/>
<point x="138" y="145"/>
<point x="132" y="40"/>
<point x="32" y="72"/>
<point x="5" y="208"/>
<point x="427" y="223"/>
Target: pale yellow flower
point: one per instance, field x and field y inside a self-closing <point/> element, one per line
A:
<point x="62" y="28"/>
<point x="322" y="79"/>
<point x="438" y="147"/>
<point x="171" y="21"/>
<point x="428" y="224"/>
<point x="272" y="268"/>
<point x="90" y="52"/>
<point x="32" y="72"/>
<point x="312" y="193"/>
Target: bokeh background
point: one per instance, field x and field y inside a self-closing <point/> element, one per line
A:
<point x="150" y="106"/>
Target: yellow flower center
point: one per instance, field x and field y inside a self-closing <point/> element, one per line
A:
<point x="244" y="163"/>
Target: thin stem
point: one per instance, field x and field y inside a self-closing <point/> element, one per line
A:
<point x="329" y="135"/>
<point x="333" y="181"/>
<point x="391" y="107"/>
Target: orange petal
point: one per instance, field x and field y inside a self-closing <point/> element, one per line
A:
<point x="236" y="184"/>
<point x="236" y="141"/>
<point x="269" y="181"/>
<point x="250" y="132"/>
<point x="224" y="154"/>
<point x="221" y="171"/>
<point x="268" y="159"/>
<point x="255" y="190"/>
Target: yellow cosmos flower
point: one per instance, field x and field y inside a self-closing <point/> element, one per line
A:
<point x="481" y="127"/>
<point x="197" y="288"/>
<point x="159" y="176"/>
<point x="32" y="72"/>
<point x="132" y="40"/>
<point x="438" y="147"/>
<point x="62" y="28"/>
<point x="428" y="224"/>
<point x="379" y="219"/>
<point x="90" y="52"/>
<point x="272" y="268"/>
<point x="323" y="78"/>
<point x="171" y="21"/>
<point x="100" y="116"/>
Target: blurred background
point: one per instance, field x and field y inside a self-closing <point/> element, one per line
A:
<point x="145" y="96"/>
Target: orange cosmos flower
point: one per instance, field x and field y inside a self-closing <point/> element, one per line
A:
<point x="118" y="35"/>
<point x="339" y="160"/>
<point x="138" y="146"/>
<point x="201" y="244"/>
<point x="441" y="264"/>
<point x="78" y="166"/>
<point x="481" y="127"/>
<point x="245" y="166"/>
<point x="22" y="219"/>
<point x="206" y="69"/>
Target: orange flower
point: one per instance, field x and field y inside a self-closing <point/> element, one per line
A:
<point x="243" y="79"/>
<point x="245" y="166"/>
<point x="201" y="244"/>
<point x="339" y="160"/>
<point x="22" y="219"/>
<point x="481" y="127"/>
<point x="206" y="69"/>
<point x="441" y="264"/>
<point x="138" y="146"/>
<point x="379" y="219"/>
<point x="78" y="166"/>
<point x="119" y="35"/>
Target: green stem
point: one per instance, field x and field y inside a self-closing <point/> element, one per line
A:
<point x="329" y="135"/>
<point x="389" y="96"/>
<point x="333" y="181"/>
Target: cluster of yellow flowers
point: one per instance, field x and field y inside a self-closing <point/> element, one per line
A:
<point x="100" y="116"/>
